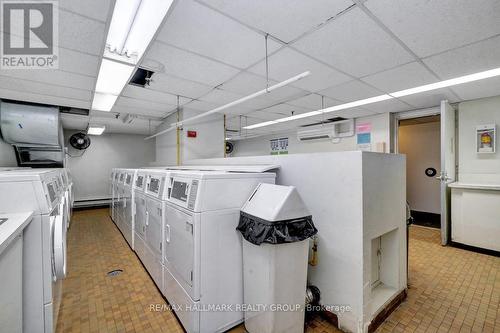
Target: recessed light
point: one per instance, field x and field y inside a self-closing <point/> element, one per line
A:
<point x="96" y="129"/>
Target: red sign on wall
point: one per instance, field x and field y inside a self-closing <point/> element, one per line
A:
<point x="191" y="134"/>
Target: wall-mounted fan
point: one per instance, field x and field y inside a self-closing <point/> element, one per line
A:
<point x="79" y="141"/>
<point x="229" y="147"/>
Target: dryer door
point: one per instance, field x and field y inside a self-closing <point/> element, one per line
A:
<point x="59" y="243"/>
<point x="180" y="248"/>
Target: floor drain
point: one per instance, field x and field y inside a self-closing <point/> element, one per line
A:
<point x="115" y="272"/>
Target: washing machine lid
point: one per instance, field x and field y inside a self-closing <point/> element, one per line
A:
<point x="59" y="243"/>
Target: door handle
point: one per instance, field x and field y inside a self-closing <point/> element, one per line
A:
<point x="167" y="238"/>
<point x="147" y="218"/>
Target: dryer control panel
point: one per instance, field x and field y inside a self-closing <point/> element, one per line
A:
<point x="155" y="184"/>
<point x="183" y="191"/>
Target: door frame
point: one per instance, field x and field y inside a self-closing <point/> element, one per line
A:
<point x="396" y="117"/>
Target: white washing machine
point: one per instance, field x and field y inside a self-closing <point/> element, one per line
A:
<point x="202" y="252"/>
<point x="68" y="194"/>
<point x="44" y="246"/>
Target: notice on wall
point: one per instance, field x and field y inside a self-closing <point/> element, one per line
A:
<point x="279" y="146"/>
<point x="364" y="136"/>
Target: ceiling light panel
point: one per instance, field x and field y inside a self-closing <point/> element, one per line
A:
<point x="103" y="102"/>
<point x="96" y="129"/>
<point x="133" y="26"/>
<point x="112" y="77"/>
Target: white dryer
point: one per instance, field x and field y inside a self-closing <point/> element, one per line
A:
<point x="155" y="204"/>
<point x="202" y="252"/>
<point x="120" y="202"/>
<point x="112" y="192"/>
<point x="127" y="222"/>
<point x="44" y="246"/>
<point x="139" y="212"/>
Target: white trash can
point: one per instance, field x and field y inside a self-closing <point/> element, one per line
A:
<point x="275" y="225"/>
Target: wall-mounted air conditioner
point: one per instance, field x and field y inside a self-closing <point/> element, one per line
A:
<point x="327" y="131"/>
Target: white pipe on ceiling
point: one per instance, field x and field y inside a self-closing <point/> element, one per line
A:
<point x="226" y="106"/>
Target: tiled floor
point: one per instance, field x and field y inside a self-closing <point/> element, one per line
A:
<point x="451" y="290"/>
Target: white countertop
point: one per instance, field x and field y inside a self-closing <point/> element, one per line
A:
<point x="476" y="186"/>
<point x="12" y="227"/>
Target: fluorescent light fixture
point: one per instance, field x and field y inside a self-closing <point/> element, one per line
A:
<point x="428" y="87"/>
<point x="96" y="129"/>
<point x="103" y="102"/>
<point x="113" y="76"/>
<point x="133" y="26"/>
<point x="318" y="112"/>
<point x="448" y="83"/>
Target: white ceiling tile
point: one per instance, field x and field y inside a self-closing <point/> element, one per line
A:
<point x="287" y="63"/>
<point x="354" y="44"/>
<point x="190" y="66"/>
<point x="470" y="59"/>
<point x="403" y="77"/>
<point x="54" y="77"/>
<point x="352" y="113"/>
<point x="285" y="110"/>
<point x="177" y="86"/>
<point x="264" y="115"/>
<point x="429" y="99"/>
<point x="197" y="28"/>
<point x="44" y="89"/>
<point x="350" y="91"/>
<point x="313" y="101"/>
<point x="140" y="104"/>
<point x="201" y="106"/>
<point x="429" y="27"/>
<point x="123" y="109"/>
<point x="391" y="105"/>
<point x="246" y="83"/>
<point x="152" y="95"/>
<point x="80" y="33"/>
<point x="77" y="62"/>
<point x="479" y="89"/>
<point x="43" y="99"/>
<point x="96" y="9"/>
<point x="284" y="19"/>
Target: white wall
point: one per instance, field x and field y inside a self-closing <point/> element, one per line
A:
<point x="261" y="145"/>
<point x="209" y="142"/>
<point x="473" y="167"/>
<point x="7" y="155"/>
<point x="92" y="170"/>
<point x="421" y="144"/>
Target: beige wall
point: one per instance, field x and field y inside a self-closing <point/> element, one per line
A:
<point x="421" y="145"/>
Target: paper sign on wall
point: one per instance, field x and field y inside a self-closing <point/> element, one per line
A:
<point x="364" y="136"/>
<point x="279" y="146"/>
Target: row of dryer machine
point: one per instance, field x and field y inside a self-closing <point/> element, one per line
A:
<point x="182" y="225"/>
<point x="48" y="194"/>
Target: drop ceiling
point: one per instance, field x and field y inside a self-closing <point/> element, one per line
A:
<point x="210" y="52"/>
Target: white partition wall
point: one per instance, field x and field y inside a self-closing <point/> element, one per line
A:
<point x="356" y="199"/>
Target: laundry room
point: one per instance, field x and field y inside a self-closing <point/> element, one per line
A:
<point x="243" y="166"/>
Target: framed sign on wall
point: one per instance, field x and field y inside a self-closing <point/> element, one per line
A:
<point x="279" y="146"/>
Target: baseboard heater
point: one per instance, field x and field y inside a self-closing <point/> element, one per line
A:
<point x="92" y="203"/>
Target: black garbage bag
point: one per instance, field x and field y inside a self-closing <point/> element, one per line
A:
<point x="258" y="231"/>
